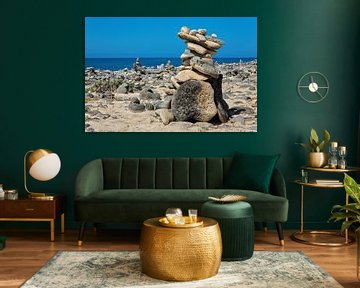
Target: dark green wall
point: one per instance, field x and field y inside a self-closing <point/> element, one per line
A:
<point x="42" y="102"/>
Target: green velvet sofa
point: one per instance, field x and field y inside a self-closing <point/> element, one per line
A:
<point x="130" y="190"/>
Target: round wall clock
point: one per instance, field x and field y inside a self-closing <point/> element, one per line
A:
<point x="313" y="87"/>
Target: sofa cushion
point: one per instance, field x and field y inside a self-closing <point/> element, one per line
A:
<point x="251" y="172"/>
<point x="266" y="206"/>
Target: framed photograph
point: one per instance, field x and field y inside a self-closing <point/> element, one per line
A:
<point x="171" y="74"/>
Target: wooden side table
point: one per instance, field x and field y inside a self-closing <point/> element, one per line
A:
<point x="297" y="235"/>
<point x="26" y="209"/>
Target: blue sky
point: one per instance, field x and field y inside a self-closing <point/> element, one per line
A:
<point x="112" y="37"/>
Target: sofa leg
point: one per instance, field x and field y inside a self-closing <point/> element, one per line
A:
<point x="265" y="227"/>
<point x="280" y="233"/>
<point x="81" y="233"/>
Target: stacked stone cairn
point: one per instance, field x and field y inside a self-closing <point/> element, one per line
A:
<point x="199" y="94"/>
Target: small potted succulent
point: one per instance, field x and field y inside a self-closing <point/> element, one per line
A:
<point x="317" y="157"/>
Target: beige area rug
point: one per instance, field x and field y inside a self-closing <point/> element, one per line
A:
<point x="80" y="269"/>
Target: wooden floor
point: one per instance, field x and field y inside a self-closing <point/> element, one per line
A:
<point x="28" y="250"/>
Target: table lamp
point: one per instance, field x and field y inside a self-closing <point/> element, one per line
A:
<point x="43" y="165"/>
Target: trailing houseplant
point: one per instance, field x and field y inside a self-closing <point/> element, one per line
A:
<point x="317" y="157"/>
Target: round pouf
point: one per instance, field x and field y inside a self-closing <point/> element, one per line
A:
<point x="236" y="221"/>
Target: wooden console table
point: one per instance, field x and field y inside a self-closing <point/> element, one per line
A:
<point x="26" y="209"/>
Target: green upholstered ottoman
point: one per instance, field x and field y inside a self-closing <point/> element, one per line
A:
<point x="236" y="221"/>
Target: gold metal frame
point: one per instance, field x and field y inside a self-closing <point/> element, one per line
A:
<point x="34" y="156"/>
<point x="295" y="236"/>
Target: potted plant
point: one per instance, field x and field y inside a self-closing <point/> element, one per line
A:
<point x="350" y="214"/>
<point x="317" y="157"/>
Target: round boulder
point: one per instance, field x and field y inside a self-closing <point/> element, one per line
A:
<point x="194" y="101"/>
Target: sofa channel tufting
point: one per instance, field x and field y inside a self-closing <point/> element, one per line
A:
<point x="131" y="190"/>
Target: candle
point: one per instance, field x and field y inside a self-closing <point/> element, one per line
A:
<point x="342" y="149"/>
<point x="333" y="144"/>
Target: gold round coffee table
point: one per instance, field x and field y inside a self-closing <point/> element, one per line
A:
<point x="180" y="254"/>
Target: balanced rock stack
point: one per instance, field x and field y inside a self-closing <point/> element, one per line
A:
<point x="197" y="62"/>
<point x="199" y="94"/>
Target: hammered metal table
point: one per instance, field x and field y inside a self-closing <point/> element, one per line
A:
<point x="180" y="254"/>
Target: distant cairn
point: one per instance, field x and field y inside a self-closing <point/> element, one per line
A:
<point x="197" y="60"/>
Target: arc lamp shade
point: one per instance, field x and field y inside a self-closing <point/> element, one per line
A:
<point x="43" y="164"/>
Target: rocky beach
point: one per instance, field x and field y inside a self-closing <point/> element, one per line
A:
<point x="198" y="96"/>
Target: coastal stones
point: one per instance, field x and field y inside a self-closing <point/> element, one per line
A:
<point x="197" y="48"/>
<point x="148" y="94"/>
<point x="212" y="45"/>
<point x="185" y="29"/>
<point x="186" y="75"/>
<point x="202" y="31"/>
<point x="186" y="55"/>
<point x="205" y="66"/>
<point x="135" y="100"/>
<point x="166" y="115"/>
<point x="197" y="58"/>
<point x="113" y="101"/>
<point x="123" y="88"/>
<point x="221" y="105"/>
<point x="137" y="65"/>
<point x="237" y="88"/>
<point x="136" y="107"/>
<point x="149" y="106"/>
<point x="174" y="82"/>
<point x="165" y="104"/>
<point x="189" y="37"/>
<point x="194" y="101"/>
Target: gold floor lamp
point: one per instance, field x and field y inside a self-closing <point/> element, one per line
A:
<point x="43" y="165"/>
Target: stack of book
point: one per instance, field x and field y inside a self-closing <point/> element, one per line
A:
<point x="327" y="181"/>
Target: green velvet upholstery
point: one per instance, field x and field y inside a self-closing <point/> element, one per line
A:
<point x="134" y="189"/>
<point x="164" y="173"/>
<point x="236" y="223"/>
<point x="268" y="208"/>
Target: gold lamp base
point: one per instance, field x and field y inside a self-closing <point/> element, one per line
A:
<point x="41" y="196"/>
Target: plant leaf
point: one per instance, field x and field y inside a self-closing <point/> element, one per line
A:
<point x="350" y="207"/>
<point x="314" y="135"/>
<point x="346" y="225"/>
<point x="337" y="216"/>
<point x="352" y="188"/>
<point x="306" y="146"/>
<point x="321" y="146"/>
<point x="312" y="144"/>
<point x="326" y="136"/>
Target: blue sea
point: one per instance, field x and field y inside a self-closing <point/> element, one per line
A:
<point x="115" y="64"/>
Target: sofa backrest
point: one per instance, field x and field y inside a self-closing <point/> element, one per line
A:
<point x="164" y="173"/>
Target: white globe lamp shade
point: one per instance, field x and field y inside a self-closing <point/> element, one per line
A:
<point x="44" y="164"/>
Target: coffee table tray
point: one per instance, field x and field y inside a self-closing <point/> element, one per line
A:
<point x="164" y="222"/>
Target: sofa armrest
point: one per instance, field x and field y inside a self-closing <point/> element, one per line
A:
<point x="89" y="179"/>
<point x="277" y="184"/>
